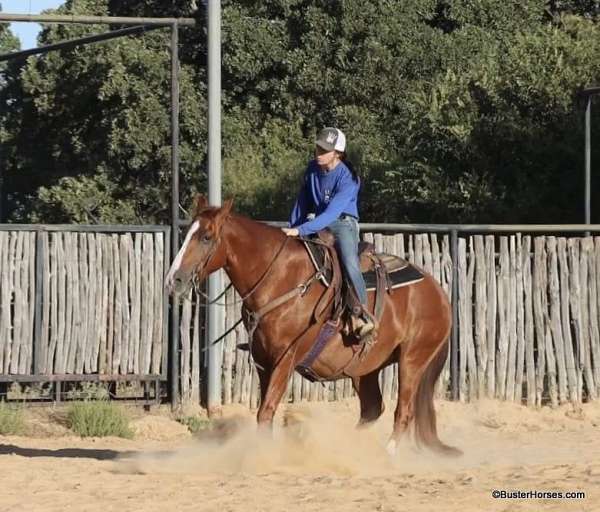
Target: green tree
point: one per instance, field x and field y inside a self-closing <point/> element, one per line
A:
<point x="99" y="120"/>
<point x="8" y="42"/>
<point x="456" y="111"/>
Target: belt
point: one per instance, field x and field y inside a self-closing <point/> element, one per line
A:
<point x="344" y="216"/>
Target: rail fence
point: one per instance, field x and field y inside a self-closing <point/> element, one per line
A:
<point x="83" y="303"/>
<point x="88" y="303"/>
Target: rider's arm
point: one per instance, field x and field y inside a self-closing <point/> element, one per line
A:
<point x="346" y="192"/>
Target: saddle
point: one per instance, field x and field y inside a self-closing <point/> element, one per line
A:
<point x="382" y="273"/>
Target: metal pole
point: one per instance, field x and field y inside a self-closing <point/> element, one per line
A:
<point x="39" y="355"/>
<point x="588" y="158"/>
<point x="588" y="92"/>
<point x="91" y="20"/>
<point x="477" y="228"/>
<point x="215" y="281"/>
<point x="174" y="359"/>
<point x="1" y="182"/>
<point x="79" y="42"/>
<point x="454" y="335"/>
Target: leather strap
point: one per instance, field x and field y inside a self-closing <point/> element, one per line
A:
<point x="253" y="318"/>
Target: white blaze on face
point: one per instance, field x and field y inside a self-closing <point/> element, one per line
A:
<point x="177" y="262"/>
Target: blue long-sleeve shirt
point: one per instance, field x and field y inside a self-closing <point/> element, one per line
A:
<point x="326" y="194"/>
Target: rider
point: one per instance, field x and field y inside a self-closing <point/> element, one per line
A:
<point x="329" y="199"/>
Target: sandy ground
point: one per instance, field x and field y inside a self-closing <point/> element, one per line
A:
<point x="318" y="461"/>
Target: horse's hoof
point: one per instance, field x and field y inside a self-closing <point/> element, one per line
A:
<point x="391" y="447"/>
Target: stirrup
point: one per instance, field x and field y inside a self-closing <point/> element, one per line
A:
<point x="366" y="333"/>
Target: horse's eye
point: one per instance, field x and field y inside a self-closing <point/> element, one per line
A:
<point x="205" y="238"/>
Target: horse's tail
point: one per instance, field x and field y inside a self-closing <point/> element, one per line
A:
<point x="425" y="421"/>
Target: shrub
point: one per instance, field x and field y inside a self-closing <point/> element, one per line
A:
<point x="98" y="419"/>
<point x="194" y="424"/>
<point x="11" y="420"/>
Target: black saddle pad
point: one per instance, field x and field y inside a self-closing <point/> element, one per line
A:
<point x="400" y="272"/>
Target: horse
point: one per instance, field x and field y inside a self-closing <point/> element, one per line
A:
<point x="265" y="266"/>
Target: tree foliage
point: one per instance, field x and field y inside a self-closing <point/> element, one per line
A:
<point x="456" y="110"/>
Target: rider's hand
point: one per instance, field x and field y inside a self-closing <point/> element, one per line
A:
<point x="290" y="231"/>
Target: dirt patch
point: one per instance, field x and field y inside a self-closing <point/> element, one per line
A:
<point x="158" y="428"/>
<point x="315" y="460"/>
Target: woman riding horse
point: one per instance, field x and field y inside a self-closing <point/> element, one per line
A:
<point x="328" y="199"/>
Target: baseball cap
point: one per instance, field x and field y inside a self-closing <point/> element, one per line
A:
<point x="331" y="139"/>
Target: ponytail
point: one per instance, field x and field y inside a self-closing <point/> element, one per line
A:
<point x="350" y="165"/>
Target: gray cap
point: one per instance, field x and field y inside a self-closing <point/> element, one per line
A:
<point x="331" y="139"/>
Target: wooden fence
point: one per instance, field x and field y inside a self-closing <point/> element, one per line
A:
<point x="17" y="299"/>
<point x="528" y="309"/>
<point x="77" y="303"/>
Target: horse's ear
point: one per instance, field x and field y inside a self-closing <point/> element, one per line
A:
<point x="200" y="203"/>
<point x="223" y="213"/>
<point x="226" y="208"/>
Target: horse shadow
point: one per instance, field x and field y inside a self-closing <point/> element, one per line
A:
<point x="68" y="453"/>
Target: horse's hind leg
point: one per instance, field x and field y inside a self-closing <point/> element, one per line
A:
<point x="369" y="394"/>
<point x="408" y="378"/>
<point x="419" y="367"/>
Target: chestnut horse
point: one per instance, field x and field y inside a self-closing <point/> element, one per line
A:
<point x="264" y="265"/>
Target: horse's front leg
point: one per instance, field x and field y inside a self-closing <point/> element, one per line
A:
<point x="273" y="384"/>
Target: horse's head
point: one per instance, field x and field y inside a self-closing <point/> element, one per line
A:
<point x="202" y="251"/>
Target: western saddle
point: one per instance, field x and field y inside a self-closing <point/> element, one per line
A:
<point x="382" y="273"/>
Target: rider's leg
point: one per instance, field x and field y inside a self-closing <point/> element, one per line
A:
<point x="346" y="235"/>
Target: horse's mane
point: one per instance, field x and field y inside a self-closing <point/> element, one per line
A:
<point x="256" y="227"/>
<point x="245" y="220"/>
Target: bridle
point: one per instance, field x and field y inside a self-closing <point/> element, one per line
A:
<point x="196" y="283"/>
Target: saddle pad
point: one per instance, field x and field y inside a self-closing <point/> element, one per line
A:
<point x="400" y="272"/>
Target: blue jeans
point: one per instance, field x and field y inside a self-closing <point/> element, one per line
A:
<point x="346" y="241"/>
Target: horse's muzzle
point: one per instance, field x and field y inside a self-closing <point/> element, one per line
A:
<point x="178" y="282"/>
